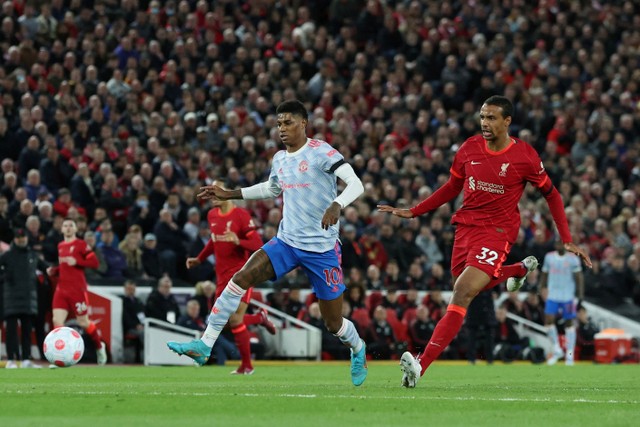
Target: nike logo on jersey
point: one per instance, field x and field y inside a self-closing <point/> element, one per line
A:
<point x="475" y="163"/>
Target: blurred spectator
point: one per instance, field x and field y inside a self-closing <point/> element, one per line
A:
<point x="45" y="214"/>
<point x="115" y="260"/>
<point x="26" y="210"/>
<point x="393" y="277"/>
<point x="294" y="304"/>
<point x="586" y="331"/>
<point x="480" y="324"/>
<point x="5" y="222"/>
<point x="34" y="186"/>
<point x="94" y="274"/>
<point x="192" y="226"/>
<point x="83" y="193"/>
<point x="353" y="255"/>
<point x="390" y="300"/>
<point x="161" y="304"/>
<point x="132" y="310"/>
<point x="380" y="339"/>
<point x="192" y="319"/>
<point x="204" y="271"/>
<point x="533" y="307"/>
<point x="131" y="248"/>
<point x="140" y="213"/>
<point x="422" y="328"/>
<point x="171" y="241"/>
<point x="36" y="237"/>
<point x="374" y="278"/>
<point x="150" y="257"/>
<point x="427" y="242"/>
<point x="374" y="251"/>
<point x="55" y="170"/>
<point x="63" y="203"/>
<point x="205" y="294"/>
<point x="356" y="295"/>
<point x="18" y="267"/>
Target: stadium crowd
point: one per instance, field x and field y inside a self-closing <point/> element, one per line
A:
<point x="115" y="112"/>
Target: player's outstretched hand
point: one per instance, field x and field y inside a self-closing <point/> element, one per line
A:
<point x="209" y="192"/>
<point x="402" y="213"/>
<point x="572" y="247"/>
<point x="331" y="215"/>
<point x="192" y="262"/>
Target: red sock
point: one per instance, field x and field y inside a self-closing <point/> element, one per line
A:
<point x="92" y="330"/>
<point x="512" y="270"/>
<point x="446" y="329"/>
<point x="252" y="319"/>
<point x="241" y="336"/>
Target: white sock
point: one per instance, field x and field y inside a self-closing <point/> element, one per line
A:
<point x="225" y="305"/>
<point x="349" y="336"/>
<point x="552" y="331"/>
<point x="570" y="334"/>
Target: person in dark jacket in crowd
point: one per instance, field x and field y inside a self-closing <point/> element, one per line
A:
<point x="132" y="311"/>
<point x="161" y="304"/>
<point x="18" y="266"/>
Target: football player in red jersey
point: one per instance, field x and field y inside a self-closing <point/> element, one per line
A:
<point x="233" y="239"/>
<point x="74" y="255"/>
<point x="492" y="169"/>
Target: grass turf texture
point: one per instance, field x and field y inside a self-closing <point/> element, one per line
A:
<point x="320" y="394"/>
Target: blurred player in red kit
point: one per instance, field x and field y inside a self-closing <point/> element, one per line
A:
<point x="74" y="255"/>
<point x="493" y="169"/>
<point x="233" y="239"/>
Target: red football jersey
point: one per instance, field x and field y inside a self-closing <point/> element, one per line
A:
<point x="230" y="257"/>
<point x="494" y="183"/>
<point x="72" y="277"/>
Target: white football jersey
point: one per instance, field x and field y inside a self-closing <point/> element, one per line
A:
<point x="309" y="186"/>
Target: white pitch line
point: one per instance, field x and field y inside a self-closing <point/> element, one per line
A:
<point x="343" y="396"/>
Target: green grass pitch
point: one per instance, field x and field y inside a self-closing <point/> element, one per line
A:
<point x="283" y="394"/>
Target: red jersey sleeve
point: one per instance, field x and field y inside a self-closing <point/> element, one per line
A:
<point x="249" y="238"/>
<point x="535" y="173"/>
<point x="85" y="256"/>
<point x="538" y="177"/>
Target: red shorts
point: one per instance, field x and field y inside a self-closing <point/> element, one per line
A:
<point x="76" y="302"/>
<point x="223" y="284"/>
<point x="478" y="247"/>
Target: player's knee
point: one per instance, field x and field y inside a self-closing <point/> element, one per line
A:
<point x="463" y="294"/>
<point x="333" y="325"/>
<point x="241" y="278"/>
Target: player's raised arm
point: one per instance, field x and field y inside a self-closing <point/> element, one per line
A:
<point x="351" y="192"/>
<point x="442" y="195"/>
<point x="556" y="206"/>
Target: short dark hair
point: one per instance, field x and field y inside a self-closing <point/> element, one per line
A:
<point x="503" y="103"/>
<point x="294" y="107"/>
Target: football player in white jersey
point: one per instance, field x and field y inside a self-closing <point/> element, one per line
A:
<point x="305" y="173"/>
<point x="562" y="275"/>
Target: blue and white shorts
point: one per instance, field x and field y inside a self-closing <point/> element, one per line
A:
<point x="566" y="308"/>
<point x="322" y="269"/>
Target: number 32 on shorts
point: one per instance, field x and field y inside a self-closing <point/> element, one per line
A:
<point x="487" y="256"/>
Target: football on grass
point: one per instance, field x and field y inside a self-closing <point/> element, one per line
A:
<point x="63" y="347"/>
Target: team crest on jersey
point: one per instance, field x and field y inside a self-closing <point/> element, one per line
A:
<point x="303" y="166"/>
<point x="280" y="171"/>
<point x="503" y="169"/>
